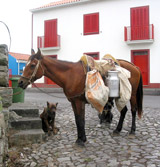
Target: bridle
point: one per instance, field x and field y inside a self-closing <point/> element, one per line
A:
<point x="34" y="73"/>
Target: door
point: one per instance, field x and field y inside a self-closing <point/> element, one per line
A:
<point x="141" y="59"/>
<point x="140" y="23"/>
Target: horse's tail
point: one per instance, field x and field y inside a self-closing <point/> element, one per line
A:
<point x="139" y="97"/>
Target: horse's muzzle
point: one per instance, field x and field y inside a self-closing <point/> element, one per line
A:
<point x="22" y="84"/>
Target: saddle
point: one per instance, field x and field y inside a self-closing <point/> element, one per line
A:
<point x="108" y="62"/>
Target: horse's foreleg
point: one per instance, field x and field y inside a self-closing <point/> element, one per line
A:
<point x="79" y="112"/>
<point x="120" y="123"/>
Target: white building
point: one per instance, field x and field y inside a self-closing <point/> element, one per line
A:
<point x="127" y="29"/>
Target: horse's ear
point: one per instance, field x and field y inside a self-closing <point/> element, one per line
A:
<point x="47" y="104"/>
<point x="56" y="104"/>
<point x="39" y="52"/>
<point x="32" y="52"/>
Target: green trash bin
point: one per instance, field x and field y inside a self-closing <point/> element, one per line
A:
<point x="18" y="93"/>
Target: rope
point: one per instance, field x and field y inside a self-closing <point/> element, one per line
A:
<point x="46" y="92"/>
<point x="17" y="93"/>
<point x="8" y="33"/>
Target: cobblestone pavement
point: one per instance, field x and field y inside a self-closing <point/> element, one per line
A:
<point x="102" y="148"/>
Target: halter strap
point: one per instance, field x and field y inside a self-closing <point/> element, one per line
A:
<point x="34" y="72"/>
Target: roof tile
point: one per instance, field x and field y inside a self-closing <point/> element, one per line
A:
<point x="58" y="3"/>
<point x="20" y="56"/>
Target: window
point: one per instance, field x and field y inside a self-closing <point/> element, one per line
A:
<point x="95" y="55"/>
<point x="91" y="24"/>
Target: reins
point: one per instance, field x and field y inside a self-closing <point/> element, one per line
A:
<point x="46" y="92"/>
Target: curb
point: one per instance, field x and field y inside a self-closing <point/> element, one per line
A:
<point x="146" y="91"/>
<point x="47" y="90"/>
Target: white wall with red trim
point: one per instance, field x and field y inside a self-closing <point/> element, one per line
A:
<point x="113" y="17"/>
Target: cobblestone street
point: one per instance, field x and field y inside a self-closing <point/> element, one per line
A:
<point x="102" y="148"/>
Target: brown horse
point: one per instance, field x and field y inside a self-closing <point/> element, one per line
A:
<point x="71" y="77"/>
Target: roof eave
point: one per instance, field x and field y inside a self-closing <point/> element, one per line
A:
<point x="57" y="6"/>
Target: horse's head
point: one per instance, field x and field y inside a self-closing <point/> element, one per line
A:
<point x="32" y="71"/>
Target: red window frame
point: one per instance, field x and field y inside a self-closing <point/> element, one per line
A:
<point x="92" y="54"/>
<point x="91" y="24"/>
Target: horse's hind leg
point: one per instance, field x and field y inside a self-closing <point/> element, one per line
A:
<point x="79" y="112"/>
<point x="133" y="111"/>
<point x="120" y="123"/>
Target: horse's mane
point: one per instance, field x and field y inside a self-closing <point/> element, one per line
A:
<point x="60" y="64"/>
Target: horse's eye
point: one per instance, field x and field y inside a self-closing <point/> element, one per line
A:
<point x="33" y="66"/>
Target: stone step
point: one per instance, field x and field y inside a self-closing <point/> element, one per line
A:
<point x="26" y="137"/>
<point x="26" y="112"/>
<point x="25" y="123"/>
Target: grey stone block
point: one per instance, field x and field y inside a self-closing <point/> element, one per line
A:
<point x="26" y="112"/>
<point x="25" y="137"/>
<point x="4" y="55"/>
<point x="4" y="76"/>
<point x="4" y="79"/>
<point x="25" y="123"/>
<point x="6" y="94"/>
<point x="4" y="49"/>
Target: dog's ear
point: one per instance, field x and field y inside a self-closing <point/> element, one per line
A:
<point x="47" y="104"/>
<point x="56" y="104"/>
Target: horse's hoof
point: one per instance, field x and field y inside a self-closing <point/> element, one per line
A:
<point x="116" y="132"/>
<point x="132" y="132"/>
<point x="109" y="121"/>
<point x="80" y="142"/>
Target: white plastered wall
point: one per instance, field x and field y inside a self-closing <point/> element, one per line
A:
<point x="113" y="16"/>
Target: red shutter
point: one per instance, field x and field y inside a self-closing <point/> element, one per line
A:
<point x="95" y="23"/>
<point x="91" y="23"/>
<point x="140" y="23"/>
<point x="50" y="33"/>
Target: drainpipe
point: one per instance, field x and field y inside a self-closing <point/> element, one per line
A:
<point x="32" y="33"/>
<point x="18" y="66"/>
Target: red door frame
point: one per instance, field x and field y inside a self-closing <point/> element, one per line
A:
<point x="148" y="58"/>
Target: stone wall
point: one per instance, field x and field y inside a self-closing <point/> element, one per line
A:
<point x="5" y="102"/>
